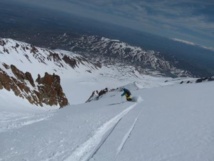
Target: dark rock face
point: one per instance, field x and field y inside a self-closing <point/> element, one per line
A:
<point x="58" y="58"/>
<point x="199" y="80"/>
<point x="71" y="62"/>
<point x="46" y="90"/>
<point x="97" y="94"/>
<point x="2" y="42"/>
<point x="205" y="79"/>
<point x="50" y="90"/>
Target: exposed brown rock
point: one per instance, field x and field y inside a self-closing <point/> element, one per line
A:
<point x="19" y="74"/>
<point x="33" y="49"/>
<point x="49" y="90"/>
<point x="29" y="78"/>
<point x="1" y="86"/>
<point x="54" y="56"/>
<point x="5" y="80"/>
<point x="70" y="61"/>
<point x="97" y="94"/>
<point x="6" y="66"/>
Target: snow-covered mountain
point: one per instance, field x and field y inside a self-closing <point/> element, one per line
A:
<point x="171" y="120"/>
<point x="112" y="51"/>
<point x="50" y="77"/>
<point x="22" y="67"/>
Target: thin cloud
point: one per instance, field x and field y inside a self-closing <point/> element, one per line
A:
<point x="192" y="43"/>
<point x="189" y="18"/>
<point x="184" y="41"/>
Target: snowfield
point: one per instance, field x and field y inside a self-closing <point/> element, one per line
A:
<point x="167" y="123"/>
<point x="78" y="82"/>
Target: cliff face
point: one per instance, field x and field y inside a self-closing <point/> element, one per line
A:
<point x="50" y="90"/>
<point x="44" y="90"/>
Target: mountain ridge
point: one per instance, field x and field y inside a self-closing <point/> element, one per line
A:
<point x="16" y="74"/>
<point x="34" y="62"/>
<point x="111" y="51"/>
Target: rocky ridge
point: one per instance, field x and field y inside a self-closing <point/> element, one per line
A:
<point x="44" y="90"/>
<point x="110" y="51"/>
<point x="22" y="67"/>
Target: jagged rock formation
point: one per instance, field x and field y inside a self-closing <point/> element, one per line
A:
<point x="20" y="63"/>
<point x="45" y="56"/>
<point x="45" y="90"/>
<point x="97" y="94"/>
<point x="205" y="79"/>
<point x="28" y="61"/>
<point x="50" y="90"/>
<point x="111" y="52"/>
<point x="198" y="80"/>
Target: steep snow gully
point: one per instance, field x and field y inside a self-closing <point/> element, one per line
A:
<point x="88" y="150"/>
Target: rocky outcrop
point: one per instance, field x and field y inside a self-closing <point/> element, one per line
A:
<point x="198" y="80"/>
<point x="45" y="90"/>
<point x="97" y="94"/>
<point x="45" y="56"/>
<point x="205" y="79"/>
<point x="50" y="90"/>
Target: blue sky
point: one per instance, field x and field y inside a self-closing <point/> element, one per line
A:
<point x="189" y="20"/>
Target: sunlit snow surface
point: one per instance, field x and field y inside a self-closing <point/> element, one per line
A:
<point x="75" y="81"/>
<point x="167" y="123"/>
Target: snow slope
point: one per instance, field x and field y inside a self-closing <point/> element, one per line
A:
<point x="80" y="80"/>
<point x="170" y="123"/>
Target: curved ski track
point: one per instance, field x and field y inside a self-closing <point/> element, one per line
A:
<point x="88" y="149"/>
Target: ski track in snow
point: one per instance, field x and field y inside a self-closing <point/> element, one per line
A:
<point x="88" y="149"/>
<point x="10" y="121"/>
<point x="128" y="134"/>
<point x="125" y="138"/>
